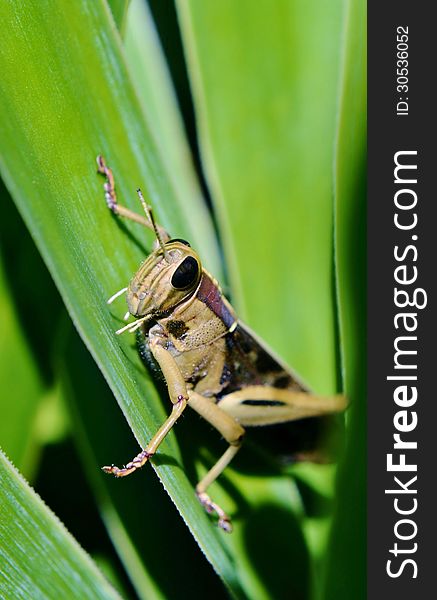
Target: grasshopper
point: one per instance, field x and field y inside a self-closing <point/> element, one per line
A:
<point x="209" y="359"/>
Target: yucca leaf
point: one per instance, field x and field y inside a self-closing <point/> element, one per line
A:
<point x="119" y="9"/>
<point x="39" y="558"/>
<point x="20" y="381"/>
<point x="66" y="96"/>
<point x="258" y="71"/>
<point x="265" y="79"/>
<point x="150" y="75"/>
<point x="346" y="577"/>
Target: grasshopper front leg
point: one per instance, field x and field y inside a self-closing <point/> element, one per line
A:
<point x="122" y="211"/>
<point x="178" y="395"/>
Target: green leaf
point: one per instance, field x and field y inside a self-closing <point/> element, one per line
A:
<point x="150" y="75"/>
<point x="20" y="381"/>
<point x="39" y="557"/>
<point x="265" y="78"/>
<point x="23" y="378"/>
<point x="347" y="573"/>
<point x="119" y="9"/>
<point x="32" y="413"/>
<point x="265" y="81"/>
<point x="70" y="99"/>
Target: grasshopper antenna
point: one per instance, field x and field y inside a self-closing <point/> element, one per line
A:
<point x="149" y="214"/>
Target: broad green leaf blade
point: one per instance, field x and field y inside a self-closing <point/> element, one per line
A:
<point x="119" y="10"/>
<point x="151" y="78"/>
<point x="21" y="384"/>
<point x="23" y="379"/>
<point x="350" y="214"/>
<point x="265" y="81"/>
<point x="82" y="103"/>
<point x="39" y="557"/>
<point x="29" y="408"/>
<point x="347" y="573"/>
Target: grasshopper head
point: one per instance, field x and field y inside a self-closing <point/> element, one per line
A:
<point x="164" y="280"/>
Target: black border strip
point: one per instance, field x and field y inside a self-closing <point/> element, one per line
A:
<point x="389" y="133"/>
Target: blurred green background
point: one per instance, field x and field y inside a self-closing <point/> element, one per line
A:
<point x="244" y="124"/>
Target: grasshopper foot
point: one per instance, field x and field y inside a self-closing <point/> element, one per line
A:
<point x="224" y="522"/>
<point x="109" y="186"/>
<point x="139" y="461"/>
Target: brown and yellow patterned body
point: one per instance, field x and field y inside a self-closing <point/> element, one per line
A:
<point x="195" y="335"/>
<point x="209" y="360"/>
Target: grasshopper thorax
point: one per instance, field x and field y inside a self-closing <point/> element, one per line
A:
<point x="164" y="280"/>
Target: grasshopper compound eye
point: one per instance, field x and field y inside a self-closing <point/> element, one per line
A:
<point x="186" y="274"/>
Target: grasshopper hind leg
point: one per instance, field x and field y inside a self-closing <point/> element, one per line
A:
<point x="233" y="434"/>
<point x="136" y="463"/>
<point x="224" y="522"/>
